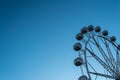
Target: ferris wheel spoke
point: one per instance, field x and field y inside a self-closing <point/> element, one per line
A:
<point x="111" y="58"/>
<point x="103" y="75"/>
<point x="107" y="60"/>
<point x="97" y="40"/>
<point x="101" y="50"/>
<point x="96" y="77"/>
<point x="92" y="42"/>
<point x="105" y="72"/>
<point x="117" y="60"/>
<point x="92" y="52"/>
<point x="91" y="67"/>
<point x="117" y="65"/>
<point x="108" y="68"/>
<point x="115" y="46"/>
<point x="91" y="47"/>
<point x="108" y="50"/>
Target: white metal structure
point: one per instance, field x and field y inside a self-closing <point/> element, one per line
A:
<point x="98" y="54"/>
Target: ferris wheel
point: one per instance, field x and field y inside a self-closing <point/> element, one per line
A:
<point x="98" y="54"/>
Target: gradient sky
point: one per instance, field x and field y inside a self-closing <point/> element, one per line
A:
<point x="37" y="36"/>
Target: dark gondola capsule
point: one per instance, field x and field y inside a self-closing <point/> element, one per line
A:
<point x="77" y="46"/>
<point x="83" y="77"/>
<point x="84" y="30"/>
<point x="90" y="28"/>
<point x="105" y="33"/>
<point x="113" y="39"/>
<point x="97" y="29"/>
<point x="78" y="61"/>
<point x="79" y="36"/>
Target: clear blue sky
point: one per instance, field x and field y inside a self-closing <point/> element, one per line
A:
<point x="36" y="36"/>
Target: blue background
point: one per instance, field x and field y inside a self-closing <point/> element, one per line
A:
<point x="37" y="36"/>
